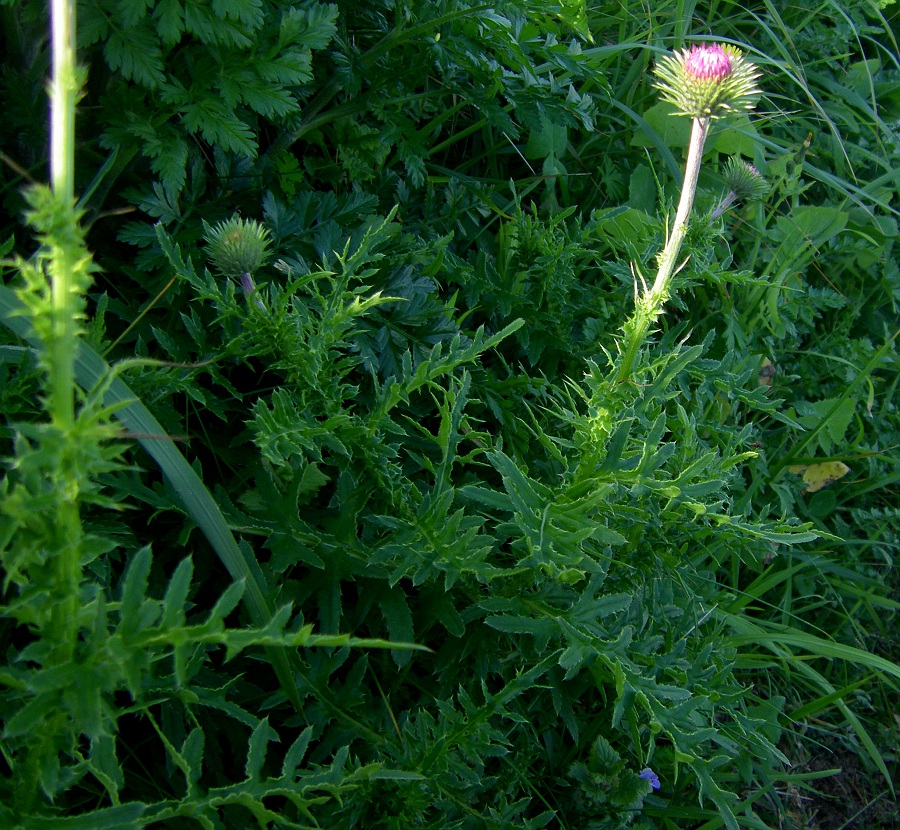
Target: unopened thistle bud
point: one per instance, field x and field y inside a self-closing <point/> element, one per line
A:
<point x="745" y="181"/>
<point x="707" y="81"/>
<point x="745" y="184"/>
<point x="237" y="246"/>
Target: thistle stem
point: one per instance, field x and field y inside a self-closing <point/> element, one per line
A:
<point x="726" y="203"/>
<point x="679" y="229"/>
<point x="249" y="287"/>
<point x="64" y="91"/>
<point x="649" y="306"/>
<point x="65" y="255"/>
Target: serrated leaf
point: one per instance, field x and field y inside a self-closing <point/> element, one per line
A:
<point x="630" y="793"/>
<point x="169" y="18"/>
<point x="210" y="117"/>
<point x="134" y="583"/>
<point x="135" y="53"/>
<point x="122" y="817"/>
<point x="176" y="594"/>
<point x="260" y="739"/>
<point x="311" y="27"/>
<point x="248" y="12"/>
<point x="510" y="624"/>
<point x="29" y="718"/>
<point x="608" y="536"/>
<point x="105" y="765"/>
<point x="295" y="754"/>
<point x="228" y="601"/>
<point x="397" y="616"/>
<point x="169" y="155"/>
<point x="201" y="20"/>
<point x="192" y="753"/>
<point x="267" y="100"/>
<point x="710" y="789"/>
<point x="138" y="611"/>
<point x="496" y="499"/>
<point x="604" y="758"/>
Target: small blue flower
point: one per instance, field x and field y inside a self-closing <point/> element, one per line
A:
<point x="649" y="775"/>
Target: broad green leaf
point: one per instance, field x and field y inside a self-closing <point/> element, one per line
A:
<point x="673" y="130"/>
<point x="625" y="227"/>
<point x="605" y="756"/>
<point x="643" y="190"/>
<point x="734" y="136"/>
<point x="549" y="139"/>
<point x="803" y="231"/>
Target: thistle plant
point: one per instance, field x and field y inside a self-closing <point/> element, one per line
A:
<point x="44" y="545"/>
<point x="71" y="644"/>
<point x="704" y="82"/>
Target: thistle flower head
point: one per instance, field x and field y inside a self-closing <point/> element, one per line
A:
<point x="237" y="246"/>
<point x="744" y="180"/>
<point x="707" y="63"/>
<point x="707" y="81"/>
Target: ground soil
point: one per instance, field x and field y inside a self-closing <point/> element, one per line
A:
<point x="854" y="799"/>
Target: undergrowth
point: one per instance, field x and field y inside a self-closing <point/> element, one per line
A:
<point x="326" y="498"/>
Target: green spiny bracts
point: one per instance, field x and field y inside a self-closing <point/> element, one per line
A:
<point x="237" y="246"/>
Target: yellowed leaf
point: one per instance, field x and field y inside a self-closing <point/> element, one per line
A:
<point x="817" y="476"/>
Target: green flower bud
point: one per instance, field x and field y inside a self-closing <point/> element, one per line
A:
<point x="745" y="181"/>
<point x="237" y="246"/>
<point x="707" y="81"/>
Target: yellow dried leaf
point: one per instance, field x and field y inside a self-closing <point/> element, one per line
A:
<point x="817" y="476"/>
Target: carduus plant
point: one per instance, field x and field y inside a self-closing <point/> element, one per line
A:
<point x="704" y="82"/>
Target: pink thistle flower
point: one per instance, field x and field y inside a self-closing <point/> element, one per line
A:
<point x="707" y="81"/>
<point x="707" y="63"/>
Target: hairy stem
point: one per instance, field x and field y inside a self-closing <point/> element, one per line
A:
<point x="649" y="306"/>
<point x="63" y="94"/>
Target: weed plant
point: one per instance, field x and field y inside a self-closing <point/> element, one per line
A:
<point x="359" y="475"/>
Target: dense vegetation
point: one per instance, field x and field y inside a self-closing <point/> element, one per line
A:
<point x="367" y="527"/>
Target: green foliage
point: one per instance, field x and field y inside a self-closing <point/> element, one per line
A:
<point x="400" y="423"/>
<point x="214" y="71"/>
